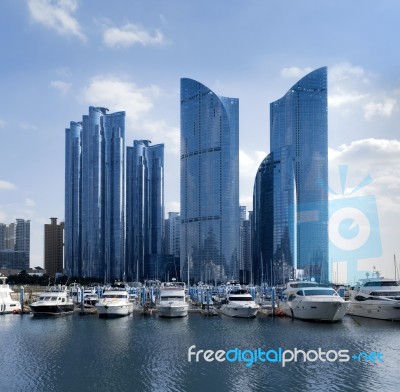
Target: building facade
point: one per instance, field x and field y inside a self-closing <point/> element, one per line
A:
<point x="290" y="194"/>
<point x="15" y="244"/>
<point x="172" y="234"/>
<point x="245" y="254"/>
<point x="95" y="196"/>
<point x="209" y="248"/>
<point x="144" y="210"/>
<point x="54" y="247"/>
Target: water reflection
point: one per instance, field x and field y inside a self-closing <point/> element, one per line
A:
<point x="139" y="353"/>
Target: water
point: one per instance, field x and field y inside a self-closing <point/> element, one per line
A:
<point x="138" y="353"/>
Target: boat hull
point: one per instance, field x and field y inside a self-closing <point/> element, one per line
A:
<point x="329" y="311"/>
<point x="234" y="310"/>
<point x="52" y="310"/>
<point x="7" y="307"/>
<point x="171" y="311"/>
<point x="115" y="310"/>
<point x="380" y="311"/>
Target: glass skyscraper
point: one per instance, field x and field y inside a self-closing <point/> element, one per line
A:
<point x="209" y="184"/>
<point x="95" y="196"/>
<point x="144" y="210"/>
<point x="290" y="211"/>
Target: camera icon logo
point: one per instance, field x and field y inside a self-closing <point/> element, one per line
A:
<point x="353" y="229"/>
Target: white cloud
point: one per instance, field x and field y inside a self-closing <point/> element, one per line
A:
<point x="248" y="164"/>
<point x="57" y="15"/>
<point x="342" y="97"/>
<point x="378" y="158"/>
<point x="6" y="186"/>
<point x="61" y="86"/>
<point x="161" y="132"/>
<point x="120" y="95"/>
<point x="2" y="124"/>
<point x="346" y="72"/>
<point x="29" y="202"/>
<point x="131" y="34"/>
<point x="295" y="72"/>
<point x="117" y="95"/>
<point x="382" y="109"/>
<point x="345" y="82"/>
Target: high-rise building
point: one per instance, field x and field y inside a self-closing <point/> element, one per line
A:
<point x="172" y="234"/>
<point x="290" y="191"/>
<point x="144" y="210"/>
<point x="95" y="196"/>
<point x="73" y="199"/>
<point x="245" y="262"/>
<point x="15" y="244"/>
<point x="53" y="247"/>
<point x="209" y="184"/>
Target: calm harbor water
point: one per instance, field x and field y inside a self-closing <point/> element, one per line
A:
<point x="148" y="353"/>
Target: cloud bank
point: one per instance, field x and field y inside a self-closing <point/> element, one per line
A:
<point x="57" y="15"/>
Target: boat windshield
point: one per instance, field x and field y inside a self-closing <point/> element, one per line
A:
<point x="172" y="297"/>
<point x="385" y="294"/>
<point x="242" y="298"/>
<point x="317" y="292"/>
<point x="114" y="296"/>
<point x="383" y="283"/>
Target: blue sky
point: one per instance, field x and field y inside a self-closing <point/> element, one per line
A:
<point x="59" y="57"/>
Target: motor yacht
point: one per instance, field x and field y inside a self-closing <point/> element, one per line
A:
<point x="239" y="303"/>
<point x="172" y="301"/>
<point x="7" y="304"/>
<point x="114" y="302"/>
<point x="377" y="298"/>
<point x="53" y="302"/>
<point x="312" y="301"/>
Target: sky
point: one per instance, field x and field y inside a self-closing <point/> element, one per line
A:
<point x="58" y="57"/>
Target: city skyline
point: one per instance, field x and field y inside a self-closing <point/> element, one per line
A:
<point x="61" y="57"/>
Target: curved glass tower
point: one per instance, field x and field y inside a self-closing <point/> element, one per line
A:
<point x="209" y="184"/>
<point x="291" y="185"/>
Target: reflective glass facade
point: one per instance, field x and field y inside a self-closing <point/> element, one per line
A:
<point x="144" y="209"/>
<point x="290" y="192"/>
<point x="209" y="184"/>
<point x="95" y="196"/>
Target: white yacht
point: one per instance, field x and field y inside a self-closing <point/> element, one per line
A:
<point x="311" y="301"/>
<point x="239" y="303"/>
<point x="90" y="296"/>
<point x="115" y="302"/>
<point x="7" y="304"/>
<point x="55" y="301"/>
<point x="172" y="302"/>
<point x="377" y="298"/>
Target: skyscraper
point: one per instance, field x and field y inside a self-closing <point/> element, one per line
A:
<point x="73" y="199"/>
<point x="209" y="184"/>
<point x="95" y="196"/>
<point x="53" y="247"/>
<point x="144" y="210"/>
<point x="290" y="190"/>
<point x="172" y="234"/>
<point x="15" y="244"/>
